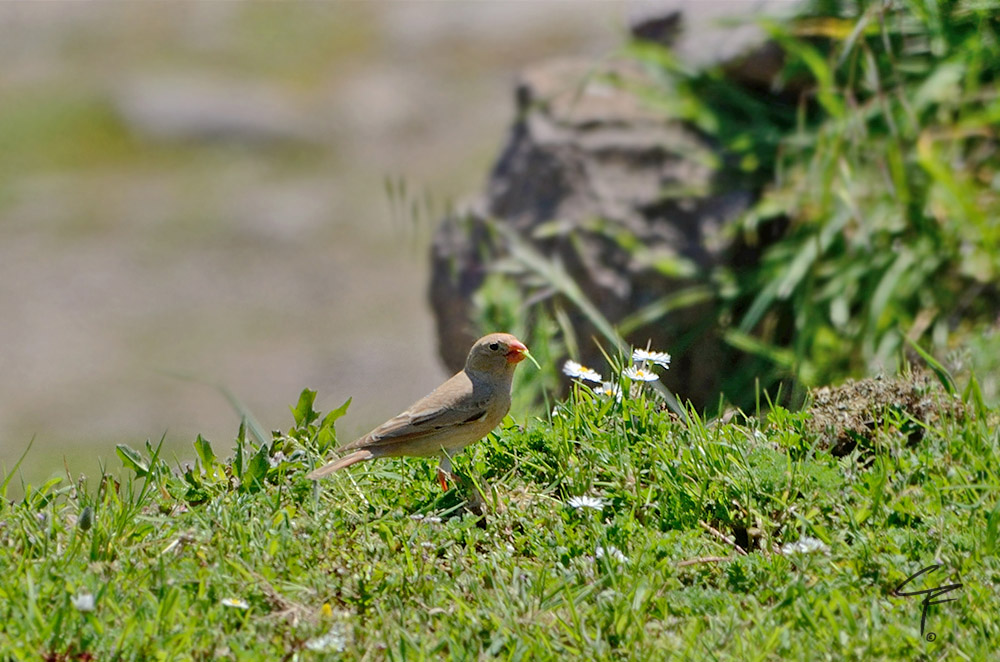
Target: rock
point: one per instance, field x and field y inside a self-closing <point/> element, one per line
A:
<point x="610" y="172"/>
<point x="726" y="34"/>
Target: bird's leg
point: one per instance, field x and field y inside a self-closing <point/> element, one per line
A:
<point x="444" y="470"/>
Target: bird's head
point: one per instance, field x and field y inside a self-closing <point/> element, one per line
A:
<point x="496" y="352"/>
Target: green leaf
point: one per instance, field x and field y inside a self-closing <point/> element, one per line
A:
<point x="256" y="469"/>
<point x="303" y="411"/>
<point x="887" y="286"/>
<point x="132" y="459"/>
<point x="939" y="370"/>
<point x="336" y="413"/>
<point x="326" y="438"/>
<point x="204" y="449"/>
<point x="13" y="470"/>
<point x="973" y="394"/>
<point x="942" y="86"/>
<point x="241" y="440"/>
<point x="752" y="345"/>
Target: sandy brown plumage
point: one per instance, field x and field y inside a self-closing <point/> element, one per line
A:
<point x="461" y="411"/>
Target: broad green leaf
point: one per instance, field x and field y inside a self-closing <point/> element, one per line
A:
<point x="336" y="413"/>
<point x="256" y="469"/>
<point x="303" y="411"/>
<point x="132" y="459"/>
<point x="204" y="449"/>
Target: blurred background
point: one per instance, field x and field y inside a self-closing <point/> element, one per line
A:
<point x="194" y="195"/>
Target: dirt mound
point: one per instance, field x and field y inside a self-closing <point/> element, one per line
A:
<point x="854" y="412"/>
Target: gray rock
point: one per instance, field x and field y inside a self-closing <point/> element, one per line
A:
<point x="587" y="154"/>
<point x="707" y="33"/>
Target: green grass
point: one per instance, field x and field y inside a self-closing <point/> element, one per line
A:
<point x="246" y="559"/>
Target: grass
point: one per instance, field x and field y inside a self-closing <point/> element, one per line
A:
<point x="730" y="539"/>
<point x="246" y="559"/>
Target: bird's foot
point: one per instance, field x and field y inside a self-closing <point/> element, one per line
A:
<point x="443" y="476"/>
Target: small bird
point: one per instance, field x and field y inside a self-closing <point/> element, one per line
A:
<point x="461" y="411"/>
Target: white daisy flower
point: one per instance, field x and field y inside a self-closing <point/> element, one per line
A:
<point x="609" y="388"/>
<point x="644" y="356"/>
<point x="577" y="371"/>
<point x="638" y="374"/>
<point x="585" y="502"/>
<point x="334" y="641"/>
<point x="83" y="601"/>
<point x="235" y="603"/>
<point x="804" y="545"/>
<point x="611" y="552"/>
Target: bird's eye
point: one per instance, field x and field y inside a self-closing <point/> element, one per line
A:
<point x="494" y="346"/>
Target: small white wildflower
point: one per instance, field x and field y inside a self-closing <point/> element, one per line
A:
<point x="638" y="374"/>
<point x="611" y="552"/>
<point x="577" y="371"/>
<point x="804" y="545"/>
<point x="609" y="388"/>
<point x="235" y="603"/>
<point x="585" y="502"/>
<point x="83" y="601"/>
<point x="644" y="356"/>
<point x="334" y="641"/>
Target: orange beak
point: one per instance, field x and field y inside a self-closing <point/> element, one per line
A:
<point x="517" y="352"/>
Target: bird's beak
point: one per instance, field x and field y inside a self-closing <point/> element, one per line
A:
<point x="517" y="353"/>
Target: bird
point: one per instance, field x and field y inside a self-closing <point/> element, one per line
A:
<point x="460" y="412"/>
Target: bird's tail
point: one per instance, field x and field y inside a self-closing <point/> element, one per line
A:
<point x="337" y="465"/>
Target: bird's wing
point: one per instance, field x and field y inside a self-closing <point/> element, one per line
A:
<point x="452" y="404"/>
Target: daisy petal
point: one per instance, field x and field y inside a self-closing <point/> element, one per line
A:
<point x="638" y="374"/>
<point x="804" y="545"/>
<point x="646" y="356"/>
<point x="577" y="371"/>
<point x="235" y="603"/>
<point x="609" y="388"/>
<point x="611" y="552"/>
<point x="585" y="502"/>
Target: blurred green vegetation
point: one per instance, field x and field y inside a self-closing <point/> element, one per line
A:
<point x="875" y="159"/>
